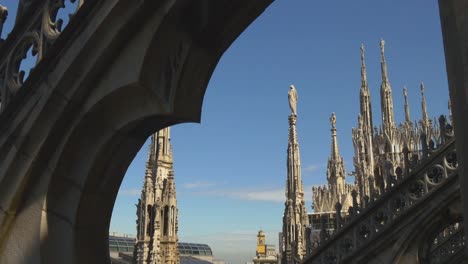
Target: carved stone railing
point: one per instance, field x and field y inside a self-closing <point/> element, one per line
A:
<point x="366" y="223"/>
<point x="447" y="245"/>
<point x="36" y="29"/>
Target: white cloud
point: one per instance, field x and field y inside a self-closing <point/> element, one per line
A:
<point x="273" y="195"/>
<point x="196" y="185"/>
<point x="276" y="195"/>
<point x="130" y="192"/>
<point x="311" y="168"/>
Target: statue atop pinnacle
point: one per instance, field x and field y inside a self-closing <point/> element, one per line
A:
<point x="333" y="120"/>
<point x="382" y="49"/>
<point x="292" y="97"/>
<point x="362" y="52"/>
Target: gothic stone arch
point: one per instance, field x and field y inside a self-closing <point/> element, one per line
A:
<point x="127" y="69"/>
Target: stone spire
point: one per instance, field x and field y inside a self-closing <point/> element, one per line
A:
<point x="295" y="218"/>
<point x="388" y="121"/>
<point x="158" y="196"/>
<point x="407" y="112"/>
<point x="146" y="201"/>
<point x="383" y="63"/>
<point x="364" y="98"/>
<point x="334" y="147"/>
<point x="363" y="135"/>
<point x="335" y="170"/>
<point x="425" y="118"/>
<point x="363" y="70"/>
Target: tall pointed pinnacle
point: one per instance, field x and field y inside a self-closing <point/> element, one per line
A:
<point x="295" y="214"/>
<point x="334" y="147"/>
<point x="363" y="70"/>
<point x="364" y="98"/>
<point x="294" y="160"/>
<point x="335" y="169"/>
<point x="407" y="112"/>
<point x="425" y="117"/>
<point x="150" y="163"/>
<point x="388" y="121"/>
<point x="383" y="62"/>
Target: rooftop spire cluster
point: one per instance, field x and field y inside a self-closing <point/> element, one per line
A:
<point x="378" y="153"/>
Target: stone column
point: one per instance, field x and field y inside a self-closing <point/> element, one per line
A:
<point x="454" y="22"/>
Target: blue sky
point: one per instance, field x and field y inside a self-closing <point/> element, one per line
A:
<point x="231" y="169"/>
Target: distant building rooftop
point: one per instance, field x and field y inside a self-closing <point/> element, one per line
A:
<point x="194" y="249"/>
<point x="121" y="251"/>
<point x="121" y="244"/>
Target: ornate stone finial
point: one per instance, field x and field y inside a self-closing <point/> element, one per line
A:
<point x="292" y="97"/>
<point x="363" y="69"/>
<point x="407" y="112"/>
<point x="335" y="167"/>
<point x="362" y="54"/>
<point x="386" y="100"/>
<point x="3" y="17"/>
<point x="383" y="65"/>
<point x="382" y="49"/>
<point x="333" y="120"/>
<point x="424" y="107"/>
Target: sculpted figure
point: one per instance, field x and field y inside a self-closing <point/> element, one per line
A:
<point x="333" y="120"/>
<point x="382" y="48"/>
<point x="292" y="97"/>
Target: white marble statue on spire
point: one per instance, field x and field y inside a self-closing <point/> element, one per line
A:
<point x="382" y="48"/>
<point x="292" y="97"/>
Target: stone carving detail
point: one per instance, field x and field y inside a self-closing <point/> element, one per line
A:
<point x="292" y="97"/>
<point x="38" y="36"/>
<point x="16" y="76"/>
<point x="51" y="24"/>
<point x="367" y="221"/>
